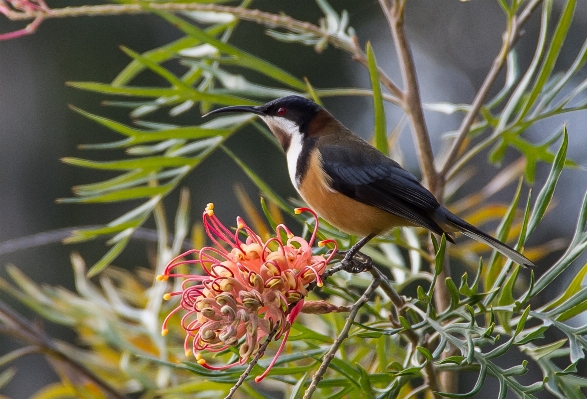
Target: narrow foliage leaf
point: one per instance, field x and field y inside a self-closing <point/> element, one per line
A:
<point x="380" y="129"/>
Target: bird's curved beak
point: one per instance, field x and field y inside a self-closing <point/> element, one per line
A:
<point x="236" y="108"/>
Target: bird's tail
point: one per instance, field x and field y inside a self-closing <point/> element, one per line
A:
<point x="476" y="234"/>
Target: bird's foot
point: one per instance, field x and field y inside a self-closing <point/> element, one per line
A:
<point x="356" y="263"/>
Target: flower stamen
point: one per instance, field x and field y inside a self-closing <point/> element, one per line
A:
<point x="248" y="288"/>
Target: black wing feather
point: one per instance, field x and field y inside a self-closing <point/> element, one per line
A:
<point x="370" y="177"/>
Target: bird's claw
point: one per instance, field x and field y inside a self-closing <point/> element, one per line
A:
<point x="356" y="263"/>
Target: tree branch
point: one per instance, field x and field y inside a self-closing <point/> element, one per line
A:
<point x="412" y="103"/>
<point x="252" y="363"/>
<point x="510" y="37"/>
<point x="341" y="337"/>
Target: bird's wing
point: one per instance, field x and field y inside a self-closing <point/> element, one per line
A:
<point x="366" y="175"/>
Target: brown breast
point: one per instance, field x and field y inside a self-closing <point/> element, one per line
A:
<point x="343" y="212"/>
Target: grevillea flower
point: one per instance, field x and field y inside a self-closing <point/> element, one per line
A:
<point x="249" y="288"/>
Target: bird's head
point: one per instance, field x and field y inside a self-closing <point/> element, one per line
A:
<point x="287" y="117"/>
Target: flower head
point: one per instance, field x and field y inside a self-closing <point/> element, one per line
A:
<point x="249" y="288"/>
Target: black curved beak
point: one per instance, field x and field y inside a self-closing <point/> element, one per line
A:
<point x="236" y="108"/>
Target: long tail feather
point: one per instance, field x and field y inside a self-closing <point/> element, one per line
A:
<point x="476" y="234"/>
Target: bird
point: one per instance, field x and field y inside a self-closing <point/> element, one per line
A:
<point x="351" y="184"/>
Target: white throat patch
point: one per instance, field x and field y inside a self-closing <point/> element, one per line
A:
<point x="293" y="153"/>
<point x="291" y="129"/>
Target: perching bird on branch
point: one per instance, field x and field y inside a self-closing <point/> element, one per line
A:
<point x="350" y="183"/>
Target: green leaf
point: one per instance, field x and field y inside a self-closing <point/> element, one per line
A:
<point x="380" y="129"/>
<point x="348" y="372"/>
<point x="128" y="194"/>
<point x="267" y="213"/>
<point x="516" y="370"/>
<point x="551" y="56"/>
<point x="545" y="195"/>
<point x="531" y="335"/>
<point x="150" y="163"/>
<point x="463" y="287"/>
<point x="496" y="275"/>
<point x="439" y="255"/>
<point x="244" y="59"/>
<point x="312" y="92"/>
<point x="157" y="55"/>
<point x="453" y="291"/>
<point x="522" y="323"/>
<point x="365" y="382"/>
<point x="438" y="261"/>
<point x="405" y="323"/>
<point x="137" y="136"/>
<point x="538" y="352"/>
<point x="158" y="69"/>
<point x="181" y="94"/>
<point x="298" y="389"/>
<point x="87" y="234"/>
<point x="452" y="360"/>
<point x="560" y="83"/>
<point x="286" y="358"/>
<point x="425" y="352"/>
<point x="130" y="179"/>
<point x="577" y="246"/>
<point x="506" y="296"/>
<point x="514" y="103"/>
<point x="237" y="85"/>
<point x="308" y="334"/>
<point x="571" y="307"/>
<point x="109" y="256"/>
<point x="573" y="288"/>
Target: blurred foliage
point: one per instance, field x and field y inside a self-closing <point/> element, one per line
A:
<point x="390" y="352"/>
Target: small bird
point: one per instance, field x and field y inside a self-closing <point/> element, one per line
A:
<point x="350" y="183"/>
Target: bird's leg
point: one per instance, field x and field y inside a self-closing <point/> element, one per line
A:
<point x="354" y="261"/>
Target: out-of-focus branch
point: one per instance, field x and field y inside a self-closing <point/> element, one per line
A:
<point x="510" y="36"/>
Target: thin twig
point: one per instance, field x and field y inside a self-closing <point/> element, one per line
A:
<point x="394" y="13"/>
<point x="397" y="300"/>
<point x="412" y="103"/>
<point x="510" y="37"/>
<point x="341" y="337"/>
<point x="253" y="362"/>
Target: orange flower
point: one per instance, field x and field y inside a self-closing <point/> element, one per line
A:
<point x="249" y="288"/>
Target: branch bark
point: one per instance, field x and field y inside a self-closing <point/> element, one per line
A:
<point x="341" y="337"/>
<point x="412" y="103"/>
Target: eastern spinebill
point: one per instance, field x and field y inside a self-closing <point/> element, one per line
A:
<point x="350" y="183"/>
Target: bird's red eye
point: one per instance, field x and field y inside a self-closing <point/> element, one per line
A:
<point x="281" y="111"/>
